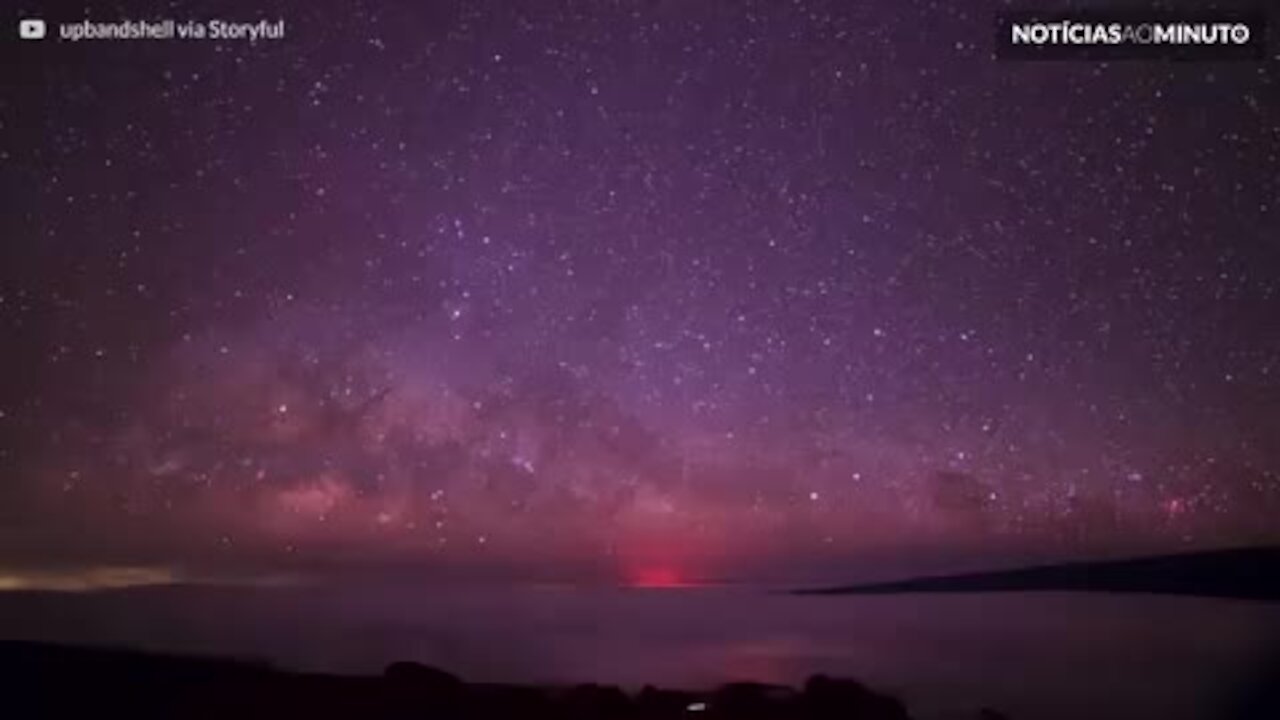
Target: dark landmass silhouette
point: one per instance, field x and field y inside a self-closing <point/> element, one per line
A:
<point x="54" y="681"/>
<point x="1242" y="573"/>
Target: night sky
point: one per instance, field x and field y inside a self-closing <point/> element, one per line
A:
<point x="641" y="292"/>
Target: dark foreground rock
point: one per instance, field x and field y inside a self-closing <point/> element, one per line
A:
<point x="51" y="681"/>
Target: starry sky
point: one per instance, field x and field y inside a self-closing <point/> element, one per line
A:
<point x="646" y="292"/>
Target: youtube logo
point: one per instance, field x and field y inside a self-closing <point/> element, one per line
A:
<point x="31" y="29"/>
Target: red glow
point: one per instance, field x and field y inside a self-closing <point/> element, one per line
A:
<point x="656" y="578"/>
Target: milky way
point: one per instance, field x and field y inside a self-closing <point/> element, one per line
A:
<point x="640" y="290"/>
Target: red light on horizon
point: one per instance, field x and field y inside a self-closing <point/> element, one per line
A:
<point x="656" y="578"/>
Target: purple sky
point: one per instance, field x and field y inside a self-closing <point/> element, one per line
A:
<point x="645" y="291"/>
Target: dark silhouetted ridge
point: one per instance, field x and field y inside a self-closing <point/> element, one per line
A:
<point x="1246" y="573"/>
